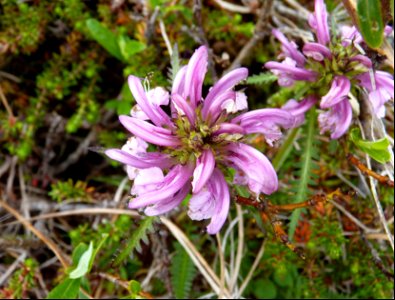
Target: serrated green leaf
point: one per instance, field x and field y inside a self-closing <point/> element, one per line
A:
<point x="378" y="150"/>
<point x="105" y="37"/>
<point x="263" y="78"/>
<point x="134" y="241"/>
<point x="68" y="289"/>
<point x="182" y="273"/>
<point x="305" y="170"/>
<point x="370" y="21"/>
<point x="175" y="64"/>
<point x="83" y="263"/>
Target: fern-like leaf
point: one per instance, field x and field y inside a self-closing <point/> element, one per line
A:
<point x="182" y="273"/>
<point x="174" y="64"/>
<point x="306" y="166"/>
<point x="134" y="242"/>
<point x="262" y="78"/>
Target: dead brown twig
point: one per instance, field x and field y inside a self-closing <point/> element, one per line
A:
<point x="64" y="260"/>
<point x="365" y="170"/>
<point x="259" y="33"/>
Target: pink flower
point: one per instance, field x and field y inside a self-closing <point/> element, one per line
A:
<point x="321" y="62"/>
<point x="337" y="119"/>
<point x="201" y="138"/>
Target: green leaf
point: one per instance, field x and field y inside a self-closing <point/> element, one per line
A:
<point x="129" y="47"/>
<point x="83" y="263"/>
<point x="285" y="150"/>
<point x="134" y="286"/>
<point x="305" y="171"/>
<point x="105" y="37"/>
<point x="283" y="277"/>
<point x="175" y="64"/>
<point x="264" y="289"/>
<point x="263" y="78"/>
<point x="68" y="289"/>
<point x="78" y="252"/>
<point x="370" y="21"/>
<point x="134" y="242"/>
<point x="378" y="150"/>
<point x="182" y="273"/>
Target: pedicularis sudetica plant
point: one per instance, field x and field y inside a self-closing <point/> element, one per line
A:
<point x="197" y="144"/>
<point x="334" y="65"/>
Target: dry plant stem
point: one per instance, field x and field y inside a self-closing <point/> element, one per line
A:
<point x="12" y="268"/>
<point x="149" y="33"/>
<point x="299" y="8"/>
<point x="358" y="164"/>
<point x="367" y="111"/>
<point x="25" y="206"/>
<point x="6" y="105"/>
<point x="233" y="7"/>
<point x="114" y="280"/>
<point x="81" y="150"/>
<point x="11" y="177"/>
<point x="260" y="32"/>
<point x="354" y="219"/>
<point x="50" y="244"/>
<point x="196" y="257"/>
<point x="165" y="37"/>
<point x="240" y="246"/>
<point x="222" y="266"/>
<point x="251" y="271"/>
<point x="197" y="14"/>
<point x="376" y="258"/>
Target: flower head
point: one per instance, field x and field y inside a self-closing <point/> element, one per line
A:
<point x="335" y="66"/>
<point x="196" y="144"/>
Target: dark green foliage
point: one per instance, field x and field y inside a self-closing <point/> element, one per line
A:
<point x="182" y="273"/>
<point x="140" y="234"/>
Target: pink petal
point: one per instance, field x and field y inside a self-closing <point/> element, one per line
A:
<point x="204" y="168"/>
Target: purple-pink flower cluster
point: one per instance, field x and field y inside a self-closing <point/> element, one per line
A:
<point x="197" y="143"/>
<point x="337" y="63"/>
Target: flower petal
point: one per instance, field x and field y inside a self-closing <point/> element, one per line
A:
<point x="168" y="204"/>
<point x="143" y="161"/>
<point x="194" y="77"/>
<point x="204" y="168"/>
<point x="291" y="71"/>
<point x="222" y="202"/>
<point x="154" y="112"/>
<point x="337" y="120"/>
<point x="149" y="133"/>
<point x="256" y="169"/>
<point x="183" y="108"/>
<point x="226" y="83"/>
<point x="319" y="22"/>
<point x="174" y="181"/>
<point x="298" y="109"/>
<point x="340" y="88"/>
<point x="317" y="51"/>
<point x="289" y="49"/>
